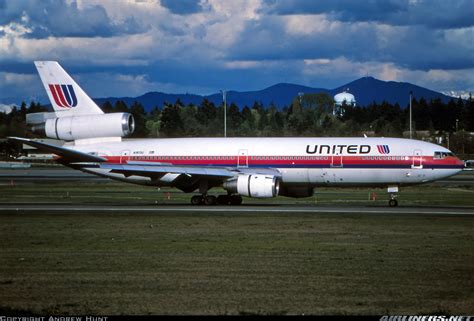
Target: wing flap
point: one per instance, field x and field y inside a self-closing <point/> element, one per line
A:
<point x="150" y="171"/>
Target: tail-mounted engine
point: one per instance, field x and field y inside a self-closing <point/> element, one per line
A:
<point x="260" y="186"/>
<point x="81" y="126"/>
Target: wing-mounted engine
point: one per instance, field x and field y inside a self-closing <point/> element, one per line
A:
<point x="81" y="126"/>
<point x="259" y="186"/>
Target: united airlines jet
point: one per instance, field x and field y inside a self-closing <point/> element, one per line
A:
<point x="251" y="167"/>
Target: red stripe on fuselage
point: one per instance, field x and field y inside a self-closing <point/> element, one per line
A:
<point x="288" y="161"/>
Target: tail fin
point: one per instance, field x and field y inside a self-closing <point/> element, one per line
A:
<point x="67" y="98"/>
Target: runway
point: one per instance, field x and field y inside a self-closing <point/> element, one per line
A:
<point x="38" y="175"/>
<point x="58" y="208"/>
<point x="46" y="174"/>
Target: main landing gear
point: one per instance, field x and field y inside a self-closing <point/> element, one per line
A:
<point x="212" y="200"/>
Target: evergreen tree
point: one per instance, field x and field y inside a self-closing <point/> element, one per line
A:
<point x="469" y="113"/>
<point x="171" y="124"/>
<point x="192" y="127"/>
<point x="120" y="107"/>
<point x="139" y="115"/>
<point x="107" y="107"/>
<point x="206" y="112"/>
<point x="234" y="119"/>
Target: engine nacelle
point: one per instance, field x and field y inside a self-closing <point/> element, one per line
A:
<point x="88" y="126"/>
<point x="259" y="186"/>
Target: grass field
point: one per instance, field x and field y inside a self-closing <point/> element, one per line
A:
<point x="221" y="263"/>
<point x="120" y="193"/>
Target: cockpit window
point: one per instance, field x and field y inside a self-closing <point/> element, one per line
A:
<point x="441" y="155"/>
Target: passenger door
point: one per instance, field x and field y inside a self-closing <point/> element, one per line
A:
<point x="417" y="159"/>
<point x="124" y="156"/>
<point x="243" y="158"/>
<point x="336" y="161"/>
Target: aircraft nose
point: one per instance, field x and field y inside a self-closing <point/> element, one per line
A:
<point x="459" y="162"/>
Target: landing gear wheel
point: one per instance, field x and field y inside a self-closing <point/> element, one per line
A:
<point x="210" y="200"/>
<point x="393" y="191"/>
<point x="235" y="200"/>
<point x="223" y="199"/>
<point x="197" y="200"/>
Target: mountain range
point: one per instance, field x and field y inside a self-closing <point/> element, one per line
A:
<point x="366" y="91"/>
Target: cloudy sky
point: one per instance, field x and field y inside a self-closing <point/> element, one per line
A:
<point x="129" y="47"/>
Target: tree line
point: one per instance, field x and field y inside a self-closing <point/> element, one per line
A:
<point x="307" y="115"/>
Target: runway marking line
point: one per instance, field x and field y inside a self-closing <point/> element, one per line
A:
<point x="462" y="211"/>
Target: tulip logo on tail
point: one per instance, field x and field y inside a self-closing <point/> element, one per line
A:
<point x="383" y="149"/>
<point x="64" y="95"/>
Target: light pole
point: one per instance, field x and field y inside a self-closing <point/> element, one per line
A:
<point x="224" y="94"/>
<point x="411" y="93"/>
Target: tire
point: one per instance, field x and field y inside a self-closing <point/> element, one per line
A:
<point x="196" y="200"/>
<point x="236" y="200"/>
<point x="210" y="200"/>
<point x="393" y="203"/>
<point x="223" y="199"/>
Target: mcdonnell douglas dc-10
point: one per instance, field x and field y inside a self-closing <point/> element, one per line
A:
<point x="251" y="167"/>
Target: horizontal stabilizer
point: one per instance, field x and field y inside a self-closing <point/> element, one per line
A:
<point x="68" y="154"/>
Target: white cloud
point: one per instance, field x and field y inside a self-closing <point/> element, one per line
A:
<point x="147" y="12"/>
<point x="308" y="24"/>
<point x="122" y="50"/>
<point x="242" y="64"/>
<point x="263" y="65"/>
<point x="245" y="9"/>
<point x="457" y="94"/>
<point x="435" y="79"/>
<point x="14" y="29"/>
<point x="20" y="87"/>
<point x="9" y="78"/>
<point x="240" y="39"/>
<point x="99" y="85"/>
<point x="6" y="108"/>
<point x="319" y="61"/>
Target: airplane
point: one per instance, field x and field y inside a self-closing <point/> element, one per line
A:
<point x="252" y="167"/>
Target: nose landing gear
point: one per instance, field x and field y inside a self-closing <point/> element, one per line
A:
<point x="392" y="202"/>
<point x="393" y="191"/>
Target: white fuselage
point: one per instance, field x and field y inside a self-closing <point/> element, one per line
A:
<point x="300" y="161"/>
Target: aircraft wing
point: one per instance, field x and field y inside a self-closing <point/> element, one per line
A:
<point x="186" y="178"/>
<point x="159" y="170"/>
<point x="68" y="154"/>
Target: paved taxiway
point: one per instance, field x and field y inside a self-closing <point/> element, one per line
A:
<point x="34" y="175"/>
<point x="61" y="173"/>
<point x="59" y="208"/>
